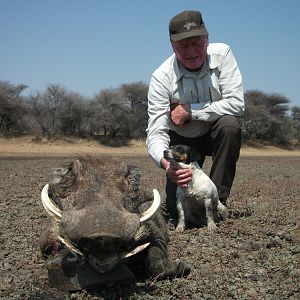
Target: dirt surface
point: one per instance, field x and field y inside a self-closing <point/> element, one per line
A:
<point x="34" y="146"/>
<point x="257" y="257"/>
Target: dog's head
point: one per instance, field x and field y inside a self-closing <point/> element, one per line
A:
<point x="178" y="153"/>
<point x="181" y="154"/>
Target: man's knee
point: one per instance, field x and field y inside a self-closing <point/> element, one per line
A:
<point x="228" y="120"/>
<point x="228" y="126"/>
<point x="231" y="132"/>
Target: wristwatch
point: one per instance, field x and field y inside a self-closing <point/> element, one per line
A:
<point x="190" y="113"/>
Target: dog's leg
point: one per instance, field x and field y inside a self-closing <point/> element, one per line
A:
<point x="181" y="219"/>
<point x="211" y="225"/>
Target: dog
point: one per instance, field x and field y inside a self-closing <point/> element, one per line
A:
<point x="197" y="204"/>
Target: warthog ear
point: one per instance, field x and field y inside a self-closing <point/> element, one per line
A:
<point x="133" y="177"/>
<point x="77" y="166"/>
<point x="58" y="174"/>
<point x="64" y="181"/>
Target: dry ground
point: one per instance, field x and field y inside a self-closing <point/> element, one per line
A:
<point x="29" y="146"/>
<point x="249" y="258"/>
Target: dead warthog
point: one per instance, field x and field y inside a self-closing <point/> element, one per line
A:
<point x="104" y="228"/>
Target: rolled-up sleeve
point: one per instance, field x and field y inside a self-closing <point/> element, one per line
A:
<point x="158" y="111"/>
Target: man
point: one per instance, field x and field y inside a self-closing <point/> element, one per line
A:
<point x="195" y="98"/>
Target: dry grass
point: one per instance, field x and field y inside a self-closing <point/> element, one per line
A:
<point x="31" y="145"/>
<point x="249" y="258"/>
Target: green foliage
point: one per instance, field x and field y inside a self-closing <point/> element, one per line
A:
<point x="266" y="118"/>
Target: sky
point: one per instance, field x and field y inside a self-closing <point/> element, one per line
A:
<point x="90" y="45"/>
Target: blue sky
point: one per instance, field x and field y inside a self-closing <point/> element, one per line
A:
<point x="89" y="45"/>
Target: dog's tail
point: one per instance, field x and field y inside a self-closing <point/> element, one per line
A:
<point x="224" y="212"/>
<point x="237" y="214"/>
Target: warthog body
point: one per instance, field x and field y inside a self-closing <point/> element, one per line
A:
<point x="97" y="225"/>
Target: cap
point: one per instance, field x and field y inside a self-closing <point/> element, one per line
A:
<point x="186" y="24"/>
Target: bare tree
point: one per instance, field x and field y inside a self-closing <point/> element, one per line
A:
<point x="53" y="98"/>
<point x="12" y="108"/>
<point x="45" y="109"/>
<point x="40" y="113"/>
<point x="73" y="115"/>
<point x="109" y="113"/>
<point x="135" y="94"/>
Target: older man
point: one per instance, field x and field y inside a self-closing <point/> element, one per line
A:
<point x="195" y="98"/>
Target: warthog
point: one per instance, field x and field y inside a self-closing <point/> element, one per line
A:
<point x="104" y="228"/>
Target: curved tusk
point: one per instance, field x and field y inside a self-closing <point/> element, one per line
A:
<point x="134" y="251"/>
<point x="51" y="209"/>
<point x="153" y="208"/>
<point x="70" y="246"/>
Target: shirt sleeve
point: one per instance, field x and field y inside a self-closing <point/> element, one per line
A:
<point x="231" y="88"/>
<point x="158" y="110"/>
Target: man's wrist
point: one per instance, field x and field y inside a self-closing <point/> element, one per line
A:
<point x="164" y="163"/>
<point x="189" y="111"/>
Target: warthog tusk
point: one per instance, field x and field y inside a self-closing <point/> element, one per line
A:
<point x="134" y="251"/>
<point x="70" y="246"/>
<point x="51" y="209"/>
<point x="153" y="208"/>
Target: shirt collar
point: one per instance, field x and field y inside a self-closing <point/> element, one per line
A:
<point x="211" y="62"/>
<point x="181" y="71"/>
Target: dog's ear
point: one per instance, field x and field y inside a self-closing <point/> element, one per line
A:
<point x="195" y="156"/>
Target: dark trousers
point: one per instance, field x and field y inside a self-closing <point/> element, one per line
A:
<point x="223" y="143"/>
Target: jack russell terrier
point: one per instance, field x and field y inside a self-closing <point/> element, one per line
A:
<point x="198" y="204"/>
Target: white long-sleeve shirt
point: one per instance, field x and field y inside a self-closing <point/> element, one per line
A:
<point x="214" y="91"/>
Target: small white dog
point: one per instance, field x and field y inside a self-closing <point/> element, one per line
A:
<point x="198" y="204"/>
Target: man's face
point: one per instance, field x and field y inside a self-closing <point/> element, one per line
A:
<point x="191" y="52"/>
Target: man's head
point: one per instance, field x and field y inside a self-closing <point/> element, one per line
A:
<point x="189" y="39"/>
<point x="186" y="24"/>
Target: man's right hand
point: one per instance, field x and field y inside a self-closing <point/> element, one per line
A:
<point x="180" y="114"/>
<point x="179" y="176"/>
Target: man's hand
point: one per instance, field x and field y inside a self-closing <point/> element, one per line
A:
<point x="180" y="114"/>
<point x="181" y="176"/>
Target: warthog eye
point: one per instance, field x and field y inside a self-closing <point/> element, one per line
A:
<point x="100" y="244"/>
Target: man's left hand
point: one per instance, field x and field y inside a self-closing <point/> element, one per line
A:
<point x="180" y="114"/>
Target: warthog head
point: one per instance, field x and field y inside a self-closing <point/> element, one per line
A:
<point x="95" y="204"/>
